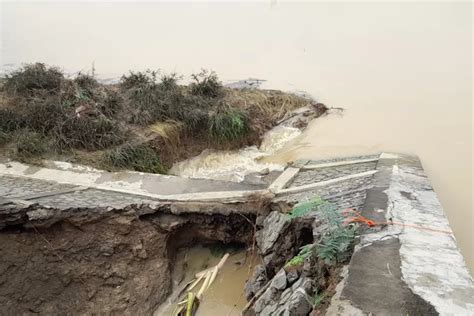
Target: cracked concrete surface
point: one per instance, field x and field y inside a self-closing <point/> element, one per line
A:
<point x="412" y="266"/>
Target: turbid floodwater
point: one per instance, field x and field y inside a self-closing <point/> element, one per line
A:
<point x="402" y="71"/>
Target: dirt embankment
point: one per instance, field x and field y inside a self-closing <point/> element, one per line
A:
<point x="145" y="123"/>
<point x="118" y="263"/>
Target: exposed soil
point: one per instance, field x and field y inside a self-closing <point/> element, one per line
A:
<point x="117" y="264"/>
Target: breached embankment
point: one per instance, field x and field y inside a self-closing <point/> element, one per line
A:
<point x="114" y="254"/>
<point x="96" y="245"/>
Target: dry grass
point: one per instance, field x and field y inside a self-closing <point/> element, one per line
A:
<point x="169" y="132"/>
<point x="272" y="105"/>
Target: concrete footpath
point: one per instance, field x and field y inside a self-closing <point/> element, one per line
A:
<point x="412" y="265"/>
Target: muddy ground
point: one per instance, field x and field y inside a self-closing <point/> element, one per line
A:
<point x="118" y="264"/>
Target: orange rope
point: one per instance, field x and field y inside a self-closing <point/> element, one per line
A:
<point x="358" y="218"/>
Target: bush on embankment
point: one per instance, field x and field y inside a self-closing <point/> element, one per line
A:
<point x="81" y="117"/>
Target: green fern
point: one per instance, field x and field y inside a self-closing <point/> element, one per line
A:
<point x="305" y="252"/>
<point x="318" y="299"/>
<point x="303" y="208"/>
<point x="335" y="244"/>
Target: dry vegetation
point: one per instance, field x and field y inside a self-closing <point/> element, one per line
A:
<point x="145" y="123"/>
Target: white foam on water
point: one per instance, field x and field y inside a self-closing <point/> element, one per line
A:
<point x="235" y="165"/>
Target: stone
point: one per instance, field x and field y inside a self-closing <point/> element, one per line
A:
<point x="265" y="300"/>
<point x="298" y="304"/>
<point x="279" y="280"/>
<point x="264" y="172"/>
<point x="292" y="276"/>
<point x="268" y="310"/>
<point x="258" y="280"/>
<point x="285" y="296"/>
<point x="273" y="225"/>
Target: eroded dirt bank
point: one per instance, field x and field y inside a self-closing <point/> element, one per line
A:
<point x="118" y="263"/>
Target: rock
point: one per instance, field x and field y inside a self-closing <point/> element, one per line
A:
<point x="267" y="298"/>
<point x="267" y="311"/>
<point x="285" y="296"/>
<point x="273" y="224"/>
<point x="292" y="276"/>
<point x="282" y="311"/>
<point x="297" y="284"/>
<point x="258" y="280"/>
<point x="264" y="172"/>
<point x="279" y="280"/>
<point x="299" y="303"/>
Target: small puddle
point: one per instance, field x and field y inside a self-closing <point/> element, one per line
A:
<point x="226" y="295"/>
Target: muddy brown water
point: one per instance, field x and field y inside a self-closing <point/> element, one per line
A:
<point x="403" y="71"/>
<point x="225" y="296"/>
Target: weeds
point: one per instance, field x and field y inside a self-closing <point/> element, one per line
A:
<point x="319" y="299"/>
<point x="4" y="138"/>
<point x="135" y="80"/>
<point x="136" y="157"/>
<point x="228" y="125"/>
<point x="206" y="84"/>
<point x="32" y="78"/>
<point x="86" y="84"/>
<point x="10" y="120"/>
<point x="30" y="144"/>
<point x="90" y="133"/>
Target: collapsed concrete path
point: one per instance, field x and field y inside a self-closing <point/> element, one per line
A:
<point x="409" y="263"/>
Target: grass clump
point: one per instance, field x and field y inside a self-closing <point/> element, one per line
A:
<point x="139" y="79"/>
<point x="31" y="144"/>
<point x="206" y="84"/>
<point x="228" y="125"/>
<point x="10" y="120"/>
<point x="140" y="158"/>
<point x="89" y="133"/>
<point x="32" y="78"/>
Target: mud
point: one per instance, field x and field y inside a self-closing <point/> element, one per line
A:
<point x="118" y="263"/>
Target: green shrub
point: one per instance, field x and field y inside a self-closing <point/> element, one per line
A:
<point x="42" y="115"/>
<point x="10" y="120"/>
<point x="30" y="144"/>
<point x="4" y="138"/>
<point x="90" y="133"/>
<point x="207" y="84"/>
<point x="228" y="125"/>
<point x="32" y="78"/>
<point x="169" y="82"/>
<point x="139" y="79"/>
<point x="136" y="157"/>
<point x="111" y="105"/>
<point x="85" y="86"/>
<point x="86" y="81"/>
